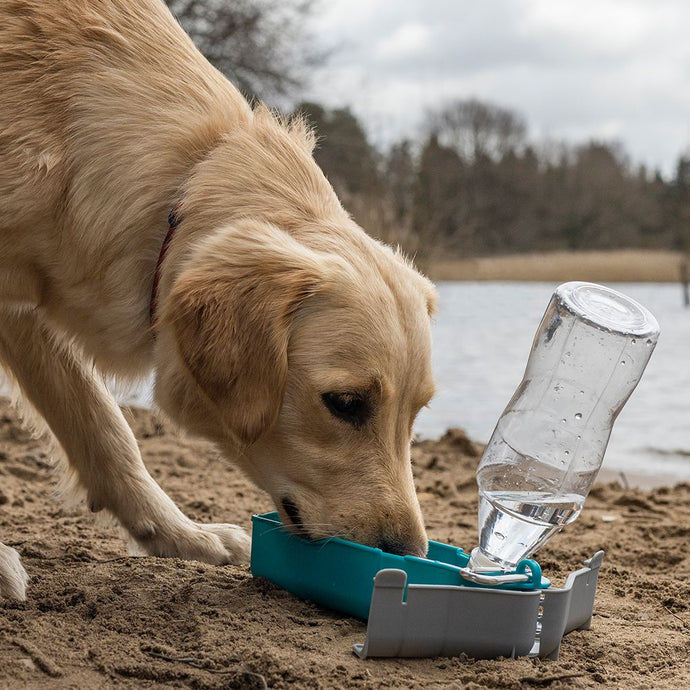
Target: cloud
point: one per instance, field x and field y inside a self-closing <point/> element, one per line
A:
<point x="595" y="68"/>
<point x="407" y="41"/>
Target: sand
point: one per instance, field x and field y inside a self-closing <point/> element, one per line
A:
<point x="96" y="618"/>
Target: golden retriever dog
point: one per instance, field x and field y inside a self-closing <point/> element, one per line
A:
<point x="275" y="326"/>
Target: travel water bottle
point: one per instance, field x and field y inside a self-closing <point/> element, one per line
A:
<point x="588" y="355"/>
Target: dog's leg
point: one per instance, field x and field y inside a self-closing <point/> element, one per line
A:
<point x="13" y="577"/>
<point x="101" y="448"/>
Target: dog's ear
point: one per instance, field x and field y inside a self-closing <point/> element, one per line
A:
<point x="231" y="312"/>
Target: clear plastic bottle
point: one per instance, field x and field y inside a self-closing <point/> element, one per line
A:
<point x="588" y="355"/>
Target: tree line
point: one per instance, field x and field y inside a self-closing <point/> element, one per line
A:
<point x="472" y="183"/>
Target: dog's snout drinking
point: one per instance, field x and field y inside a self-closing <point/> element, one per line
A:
<point x="399" y="546"/>
<point x="403" y="540"/>
<point x="292" y="511"/>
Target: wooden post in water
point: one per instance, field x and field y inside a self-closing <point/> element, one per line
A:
<point x="684" y="280"/>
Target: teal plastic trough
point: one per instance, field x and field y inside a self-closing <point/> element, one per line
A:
<point x="340" y="574"/>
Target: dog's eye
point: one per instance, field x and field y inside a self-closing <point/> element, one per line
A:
<point x="350" y="407"/>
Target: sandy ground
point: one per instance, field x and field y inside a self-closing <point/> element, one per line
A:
<point x="627" y="265"/>
<point x="96" y="618"/>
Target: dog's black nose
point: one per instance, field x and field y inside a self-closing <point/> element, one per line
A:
<point x="292" y="512"/>
<point x="393" y="545"/>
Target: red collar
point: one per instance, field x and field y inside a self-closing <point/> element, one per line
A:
<point x="173" y="222"/>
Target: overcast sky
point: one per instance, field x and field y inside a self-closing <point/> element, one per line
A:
<point x="605" y="69"/>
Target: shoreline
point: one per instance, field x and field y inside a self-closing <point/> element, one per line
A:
<point x="637" y="480"/>
<point x="625" y="479"/>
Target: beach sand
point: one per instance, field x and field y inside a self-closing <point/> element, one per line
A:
<point x="96" y="618"/>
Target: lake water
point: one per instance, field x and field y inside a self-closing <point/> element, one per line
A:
<point x="482" y="338"/>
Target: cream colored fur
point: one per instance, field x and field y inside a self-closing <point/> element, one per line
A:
<point x="270" y="296"/>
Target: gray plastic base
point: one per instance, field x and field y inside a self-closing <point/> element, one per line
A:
<point x="429" y="620"/>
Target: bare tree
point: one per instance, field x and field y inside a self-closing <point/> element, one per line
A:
<point x="478" y="130"/>
<point x="262" y="46"/>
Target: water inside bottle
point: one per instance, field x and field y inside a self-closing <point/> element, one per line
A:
<point x="523" y="502"/>
<point x="514" y="524"/>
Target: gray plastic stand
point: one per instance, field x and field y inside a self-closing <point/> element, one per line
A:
<point x="432" y="620"/>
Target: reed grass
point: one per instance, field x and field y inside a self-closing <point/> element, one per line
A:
<point x="629" y="265"/>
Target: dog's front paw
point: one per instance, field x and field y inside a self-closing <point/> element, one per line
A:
<point x="13" y="577"/>
<point x="218" y="544"/>
<point x="236" y="542"/>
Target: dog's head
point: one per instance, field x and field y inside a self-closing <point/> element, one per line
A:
<point x="309" y="365"/>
